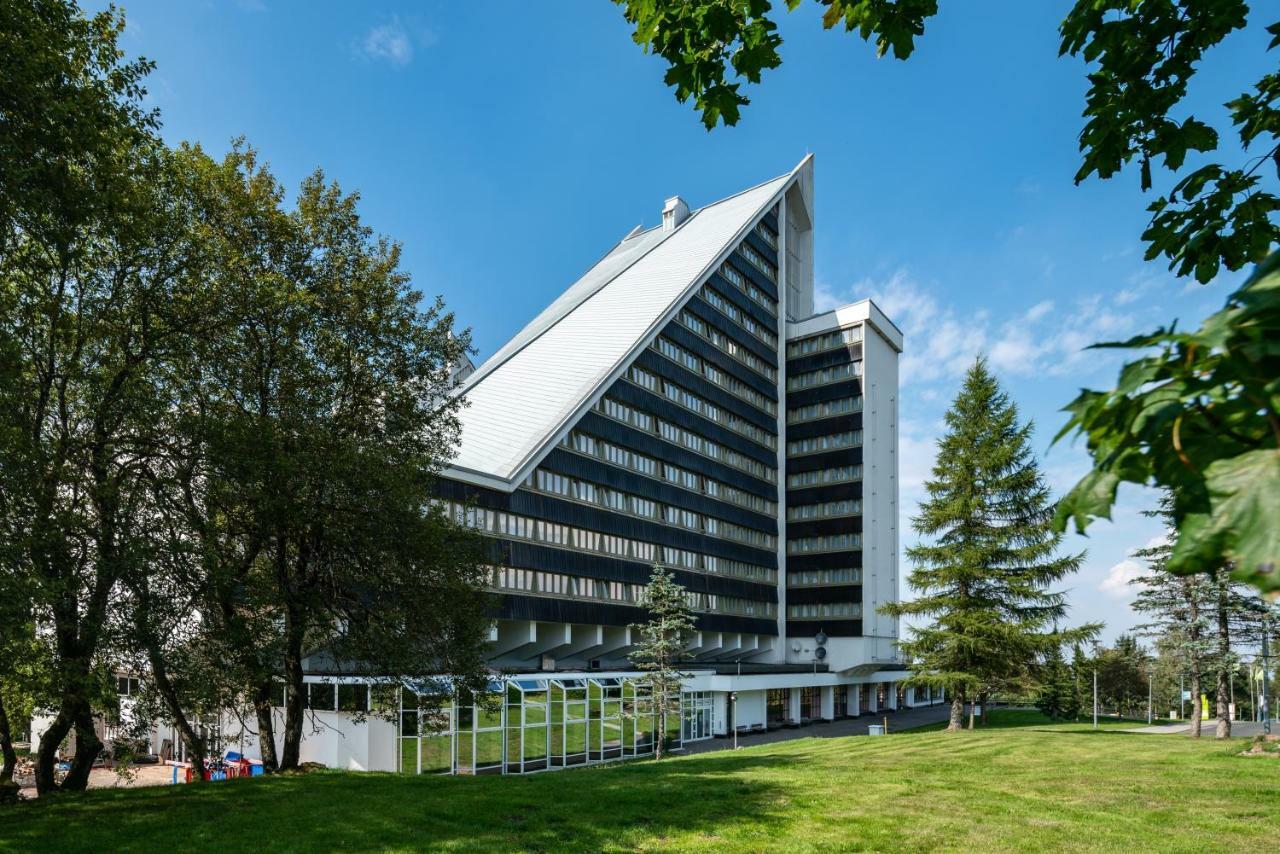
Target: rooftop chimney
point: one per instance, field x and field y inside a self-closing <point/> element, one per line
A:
<point x="674" y="212"/>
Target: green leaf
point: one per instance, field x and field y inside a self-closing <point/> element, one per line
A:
<point x="1242" y="528"/>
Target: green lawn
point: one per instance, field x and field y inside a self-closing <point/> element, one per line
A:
<point x="1033" y="787"/>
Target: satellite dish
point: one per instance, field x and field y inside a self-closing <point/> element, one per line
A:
<point x="820" y="638"/>
<point x="820" y="653"/>
<point x="795" y="647"/>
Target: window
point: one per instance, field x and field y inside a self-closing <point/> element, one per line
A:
<point x="831" y="543"/>
<point x="818" y="444"/>
<point x="353" y="698"/>
<point x="827" y="409"/>
<point x="759" y="261"/>
<point x="810" y="704"/>
<point x="694" y="364"/>
<point x="743" y="284"/>
<point x="649" y="467"/>
<point x="727" y="345"/>
<point x="814" y="611"/>
<point x="827" y="510"/>
<point x="840" y="474"/>
<point x="823" y="577"/>
<point x="321" y="697"/>
<point x="777" y="706"/>
<point x="731" y="311"/>
<point x="835" y="373"/>
<point x="829" y="341"/>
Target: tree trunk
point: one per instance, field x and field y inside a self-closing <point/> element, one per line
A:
<point x="295" y="709"/>
<point x="88" y="746"/>
<point x="1224" y="658"/>
<point x="196" y="747"/>
<point x="1193" y="637"/>
<point x="971" y="705"/>
<point x="6" y="746"/>
<point x="984" y="700"/>
<point x="956" y="723"/>
<point x="50" y="741"/>
<point x="266" y="728"/>
<point x="1195" y="698"/>
<point x="660" y="742"/>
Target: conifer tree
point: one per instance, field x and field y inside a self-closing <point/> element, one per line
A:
<point x="1081" y="678"/>
<point x="662" y="643"/>
<point x="1057" y="686"/>
<point x="1179" y="606"/>
<point x="983" y="572"/>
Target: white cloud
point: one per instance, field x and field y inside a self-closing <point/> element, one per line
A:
<point x="389" y="42"/>
<point x="1039" y="310"/>
<point x="1118" y="580"/>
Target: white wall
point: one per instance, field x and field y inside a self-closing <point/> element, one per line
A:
<point x="334" y="739"/>
<point x="879" y="490"/>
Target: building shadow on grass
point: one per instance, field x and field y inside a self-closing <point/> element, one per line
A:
<point x="578" y="809"/>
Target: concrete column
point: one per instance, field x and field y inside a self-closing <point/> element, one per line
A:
<point x="874" y="705"/>
<point x="891" y="695"/>
<point x="793" y="711"/>
<point x="855" y="700"/>
<point x="911" y="697"/>
<point x="827" y="703"/>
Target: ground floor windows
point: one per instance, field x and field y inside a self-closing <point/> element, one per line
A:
<point x="521" y="725"/>
<point x="777" y="707"/>
<point x="840" y="701"/>
<point x="697" y="709"/>
<point x="810" y="704"/>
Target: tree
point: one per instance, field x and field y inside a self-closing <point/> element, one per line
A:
<point x="1179" y="606"/>
<point x="220" y="420"/>
<point x="1057" y="696"/>
<point x="984" y="576"/>
<point x="1081" y="677"/>
<point x="1237" y="615"/>
<point x="1201" y="416"/>
<point x="662" y="643"/>
<point x="101" y="281"/>
<point x="1122" y="685"/>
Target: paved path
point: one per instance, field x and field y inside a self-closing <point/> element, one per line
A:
<point x="899" y="720"/>
<point x="1239" y="729"/>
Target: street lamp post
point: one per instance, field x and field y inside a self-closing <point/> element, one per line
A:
<point x="1266" y="692"/>
<point x="733" y="698"/>
<point x="1095" y="696"/>
<point x="1151" y="690"/>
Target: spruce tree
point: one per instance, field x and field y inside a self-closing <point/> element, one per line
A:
<point x="1057" y="686"/>
<point x="1072" y="702"/>
<point x="1082" y="680"/>
<point x="989" y="555"/>
<point x="1179" y="607"/>
<point x="662" y="642"/>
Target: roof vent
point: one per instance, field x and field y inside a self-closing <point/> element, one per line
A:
<point x="674" y="212"/>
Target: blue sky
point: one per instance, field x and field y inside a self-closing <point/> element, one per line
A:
<point x="508" y="145"/>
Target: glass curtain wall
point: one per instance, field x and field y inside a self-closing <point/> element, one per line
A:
<point x="529" y="724"/>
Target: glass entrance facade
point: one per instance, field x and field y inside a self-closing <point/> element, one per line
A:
<point x="697" y="712"/>
<point x="526" y="724"/>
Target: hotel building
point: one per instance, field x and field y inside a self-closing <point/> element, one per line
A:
<point x="682" y="404"/>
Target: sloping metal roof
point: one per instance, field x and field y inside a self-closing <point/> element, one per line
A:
<point x="521" y="399"/>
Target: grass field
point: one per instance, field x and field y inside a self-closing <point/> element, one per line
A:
<point x="1024" y="785"/>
